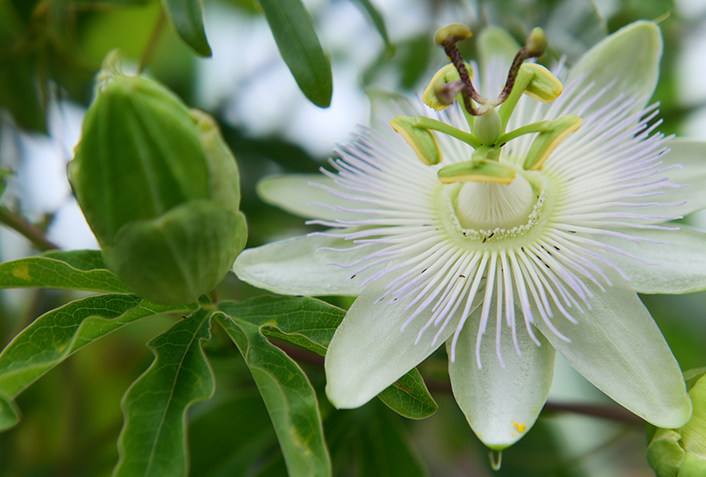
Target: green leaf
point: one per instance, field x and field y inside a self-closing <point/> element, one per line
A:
<point x="409" y="397"/>
<point x="289" y="397"/>
<point x="231" y="437"/>
<point x="371" y="441"/>
<point x="300" y="48"/>
<point x="20" y="95"/>
<point x="311" y="323"/>
<point x="153" y="439"/>
<point x="378" y="21"/>
<point x="9" y="412"/>
<point x="186" y="18"/>
<point x="59" y="333"/>
<point x="76" y="270"/>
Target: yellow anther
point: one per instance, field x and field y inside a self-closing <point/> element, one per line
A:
<point x="422" y="141"/>
<point x="439" y="94"/>
<point x="545" y="142"/>
<point x="543" y="86"/>
<point x="477" y="171"/>
<point x="452" y="33"/>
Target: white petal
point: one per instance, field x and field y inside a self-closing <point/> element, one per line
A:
<point x="368" y="352"/>
<point x="293" y="267"/>
<point x="501" y="404"/>
<point x="691" y="155"/>
<point x="293" y="193"/>
<point x="628" y="59"/>
<point x="678" y="266"/>
<point x="618" y="347"/>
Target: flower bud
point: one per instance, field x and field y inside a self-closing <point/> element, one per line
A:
<point x="452" y="33"/>
<point x="422" y="141"/>
<point x="160" y="190"/>
<point x="682" y="452"/>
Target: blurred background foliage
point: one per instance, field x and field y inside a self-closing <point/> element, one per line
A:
<point x="50" y="51"/>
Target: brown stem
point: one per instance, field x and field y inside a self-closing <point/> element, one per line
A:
<point x="27" y="230"/>
<point x="152" y="42"/>
<point x="468" y="92"/>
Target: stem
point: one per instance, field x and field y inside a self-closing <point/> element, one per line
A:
<point x="433" y="124"/>
<point x="27" y="230"/>
<point x="468" y="91"/>
<point x="508" y="107"/>
<point x="152" y="42"/>
<point x="540" y="126"/>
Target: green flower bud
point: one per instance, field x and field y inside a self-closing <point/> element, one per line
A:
<point x="160" y="190"/>
<point x="452" y="33"/>
<point x="682" y="452"/>
<point x="422" y="140"/>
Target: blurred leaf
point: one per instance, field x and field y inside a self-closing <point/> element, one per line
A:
<point x="231" y="437"/>
<point x="311" y="323"/>
<point x="4" y="175"/>
<point x="409" y="397"/>
<point x="9" y="412"/>
<point x="415" y="57"/>
<point x="378" y="21"/>
<point x="153" y="439"/>
<point x="59" y="333"/>
<point x="371" y="441"/>
<point x="20" y="94"/>
<point x="109" y="2"/>
<point x="11" y="26"/>
<point x="75" y="270"/>
<point x="693" y="375"/>
<point x="186" y="17"/>
<point x="289" y="397"/>
<point x="300" y="48"/>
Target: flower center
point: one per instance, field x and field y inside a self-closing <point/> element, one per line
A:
<point x="490" y="206"/>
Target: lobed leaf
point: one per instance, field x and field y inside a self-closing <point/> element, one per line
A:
<point x="54" y="336"/>
<point x="153" y="439"/>
<point x="75" y="270"/>
<point x="311" y="323"/>
<point x="186" y="17"/>
<point x="300" y="48"/>
<point x="289" y="397"/>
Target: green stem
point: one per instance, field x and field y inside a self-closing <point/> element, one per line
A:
<point x="435" y="125"/>
<point x="27" y="230"/>
<point x="152" y="42"/>
<point x="508" y="107"/>
<point x="540" y="126"/>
